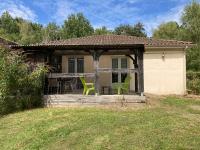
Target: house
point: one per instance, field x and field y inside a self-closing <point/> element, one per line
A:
<point x="156" y="66"/>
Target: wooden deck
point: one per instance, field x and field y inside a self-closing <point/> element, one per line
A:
<point x="79" y="99"/>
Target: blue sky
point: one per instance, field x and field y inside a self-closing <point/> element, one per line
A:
<point x="108" y="13"/>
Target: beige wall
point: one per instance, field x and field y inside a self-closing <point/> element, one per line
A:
<point x="165" y="72"/>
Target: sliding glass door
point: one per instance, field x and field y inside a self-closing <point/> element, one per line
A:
<point x="119" y="63"/>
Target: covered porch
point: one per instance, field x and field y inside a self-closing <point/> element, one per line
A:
<point x="68" y="60"/>
<point x="89" y="65"/>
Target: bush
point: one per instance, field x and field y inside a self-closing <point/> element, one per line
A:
<point x="193" y="82"/>
<point x="19" y="88"/>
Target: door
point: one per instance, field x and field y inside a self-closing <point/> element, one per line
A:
<point x="76" y="65"/>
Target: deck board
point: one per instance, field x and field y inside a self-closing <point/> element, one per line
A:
<point x="68" y="99"/>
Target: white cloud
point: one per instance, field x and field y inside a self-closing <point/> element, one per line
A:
<point x="17" y="9"/>
<point x="63" y="10"/>
<point x="173" y="14"/>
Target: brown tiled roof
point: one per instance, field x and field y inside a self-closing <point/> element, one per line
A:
<point x="108" y="40"/>
<point x="6" y="42"/>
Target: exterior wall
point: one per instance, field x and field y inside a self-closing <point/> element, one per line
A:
<point x="165" y="72"/>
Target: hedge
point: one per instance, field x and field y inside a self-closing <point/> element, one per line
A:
<point x="193" y="82"/>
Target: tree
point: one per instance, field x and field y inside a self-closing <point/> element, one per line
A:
<point x="76" y="26"/>
<point x="191" y="26"/>
<point x="19" y="88"/>
<point x="169" y="30"/>
<point x="126" y="29"/>
<point x="193" y="58"/>
<point x="139" y="30"/>
<point x="101" y="31"/>
<point x="51" y="32"/>
<point x="30" y="33"/>
<point x="191" y="21"/>
<point x="8" y="27"/>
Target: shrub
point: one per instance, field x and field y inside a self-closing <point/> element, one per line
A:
<point x="193" y="82"/>
<point x="19" y="88"/>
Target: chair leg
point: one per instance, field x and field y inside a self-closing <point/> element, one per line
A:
<point x="87" y="92"/>
<point x="119" y="91"/>
<point x="84" y="91"/>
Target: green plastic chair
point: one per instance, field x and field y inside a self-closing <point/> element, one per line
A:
<point x="122" y="86"/>
<point x="87" y="87"/>
<point x="126" y="84"/>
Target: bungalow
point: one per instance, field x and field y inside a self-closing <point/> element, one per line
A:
<point x="155" y="66"/>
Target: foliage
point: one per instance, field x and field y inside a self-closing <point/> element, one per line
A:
<point x="169" y="30"/>
<point x="189" y="30"/>
<point x="164" y="125"/>
<point x="193" y="58"/>
<point x="126" y="29"/>
<point x="191" y="21"/>
<point x="102" y="31"/>
<point x="52" y="32"/>
<point x="30" y="33"/>
<point x="19" y="89"/>
<point x="9" y="27"/>
<point x="193" y="82"/>
<point x="76" y="26"/>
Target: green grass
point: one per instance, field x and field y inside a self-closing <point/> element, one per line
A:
<point x="174" y="124"/>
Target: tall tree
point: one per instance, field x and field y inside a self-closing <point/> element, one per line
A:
<point x="30" y="33"/>
<point x="191" y="32"/>
<point x="169" y="30"/>
<point x="191" y="21"/>
<point x="101" y="31"/>
<point x="193" y="58"/>
<point x="8" y="27"/>
<point x="126" y="29"/>
<point x="139" y="30"/>
<point x="51" y="32"/>
<point x="77" y="26"/>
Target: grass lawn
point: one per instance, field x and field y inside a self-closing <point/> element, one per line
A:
<point x="169" y="123"/>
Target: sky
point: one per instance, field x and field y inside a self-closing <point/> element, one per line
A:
<point x="109" y="13"/>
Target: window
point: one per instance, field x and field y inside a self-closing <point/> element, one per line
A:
<point x="119" y="63"/>
<point x="115" y="66"/>
<point x="80" y="65"/>
<point x="75" y="65"/>
<point x="56" y="63"/>
<point x="71" y="65"/>
<point x="123" y="66"/>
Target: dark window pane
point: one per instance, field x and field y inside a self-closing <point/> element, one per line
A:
<point x="114" y="63"/>
<point x="114" y="77"/>
<point x="123" y="76"/>
<point x="124" y="63"/>
<point x="80" y="65"/>
<point x="71" y="65"/>
<point x="56" y="62"/>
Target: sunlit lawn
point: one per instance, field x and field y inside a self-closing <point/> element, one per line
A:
<point x="172" y="124"/>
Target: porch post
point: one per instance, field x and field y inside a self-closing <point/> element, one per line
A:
<point x="140" y="72"/>
<point x="135" y="63"/>
<point x="136" y="73"/>
<point x="96" y="55"/>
